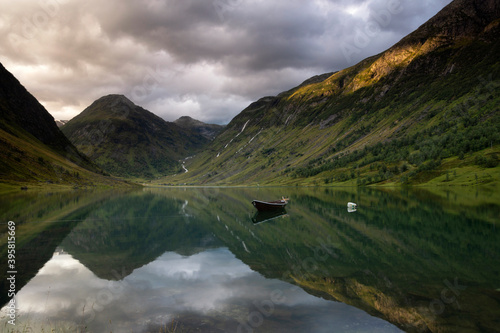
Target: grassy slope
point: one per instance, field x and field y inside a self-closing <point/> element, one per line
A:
<point x="28" y="162"/>
<point x="424" y="112"/>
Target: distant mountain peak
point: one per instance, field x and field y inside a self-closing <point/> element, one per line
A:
<point x="186" y="119"/>
<point x="113" y="103"/>
<point x="113" y="98"/>
<point x="209" y="131"/>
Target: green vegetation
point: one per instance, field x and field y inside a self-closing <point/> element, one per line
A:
<point x="26" y="162"/>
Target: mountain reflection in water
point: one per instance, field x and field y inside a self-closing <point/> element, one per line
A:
<point x="202" y="258"/>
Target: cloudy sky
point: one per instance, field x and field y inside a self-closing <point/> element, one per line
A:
<point x="207" y="59"/>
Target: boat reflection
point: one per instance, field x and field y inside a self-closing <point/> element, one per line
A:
<point x="260" y="217"/>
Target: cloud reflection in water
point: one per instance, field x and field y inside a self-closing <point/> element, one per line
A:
<point x="211" y="287"/>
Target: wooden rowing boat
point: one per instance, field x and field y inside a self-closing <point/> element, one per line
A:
<point x="266" y="206"/>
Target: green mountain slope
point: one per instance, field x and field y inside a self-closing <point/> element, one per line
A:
<point x="32" y="148"/>
<point x="425" y="110"/>
<point x="129" y="141"/>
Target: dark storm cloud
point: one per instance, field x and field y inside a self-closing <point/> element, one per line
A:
<point x="208" y="59"/>
<point x="260" y="35"/>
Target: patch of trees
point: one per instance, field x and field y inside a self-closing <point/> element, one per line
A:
<point x="424" y="150"/>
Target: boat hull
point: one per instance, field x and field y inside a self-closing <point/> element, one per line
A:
<point x="269" y="206"/>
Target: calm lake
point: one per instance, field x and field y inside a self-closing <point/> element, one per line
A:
<point x="203" y="260"/>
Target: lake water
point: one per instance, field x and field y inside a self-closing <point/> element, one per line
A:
<point x="203" y="260"/>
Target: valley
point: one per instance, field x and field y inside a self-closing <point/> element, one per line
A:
<point x="424" y="112"/>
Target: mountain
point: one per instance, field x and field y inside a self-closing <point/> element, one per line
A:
<point x="424" y="111"/>
<point x="208" y="131"/>
<point x="129" y="141"/>
<point x="32" y="148"/>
